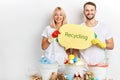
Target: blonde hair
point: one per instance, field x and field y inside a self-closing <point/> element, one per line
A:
<point x="52" y="23"/>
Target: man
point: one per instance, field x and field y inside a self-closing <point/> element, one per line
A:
<point x="96" y="53"/>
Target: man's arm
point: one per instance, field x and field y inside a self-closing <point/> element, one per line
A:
<point x="110" y="44"/>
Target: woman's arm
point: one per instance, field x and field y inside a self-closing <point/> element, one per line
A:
<point x="45" y="43"/>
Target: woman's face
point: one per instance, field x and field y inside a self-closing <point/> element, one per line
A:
<point x="58" y="17"/>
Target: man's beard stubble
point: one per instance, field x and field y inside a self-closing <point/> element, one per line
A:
<point x="90" y="18"/>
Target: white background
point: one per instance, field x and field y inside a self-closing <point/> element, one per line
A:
<point x="21" y="24"/>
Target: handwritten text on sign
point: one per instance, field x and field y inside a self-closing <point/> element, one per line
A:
<point x="75" y="36"/>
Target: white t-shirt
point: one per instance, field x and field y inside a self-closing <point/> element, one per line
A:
<point x="54" y="51"/>
<point x="95" y="54"/>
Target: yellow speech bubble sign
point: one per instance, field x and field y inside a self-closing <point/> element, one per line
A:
<point x="75" y="36"/>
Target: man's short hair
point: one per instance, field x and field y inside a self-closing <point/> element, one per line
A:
<point x="90" y="3"/>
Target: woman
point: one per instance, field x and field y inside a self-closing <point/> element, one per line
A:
<point x="50" y="45"/>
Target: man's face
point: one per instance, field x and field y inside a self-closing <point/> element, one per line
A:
<point x="89" y="12"/>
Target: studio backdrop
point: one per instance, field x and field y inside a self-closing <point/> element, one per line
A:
<point x="21" y="25"/>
